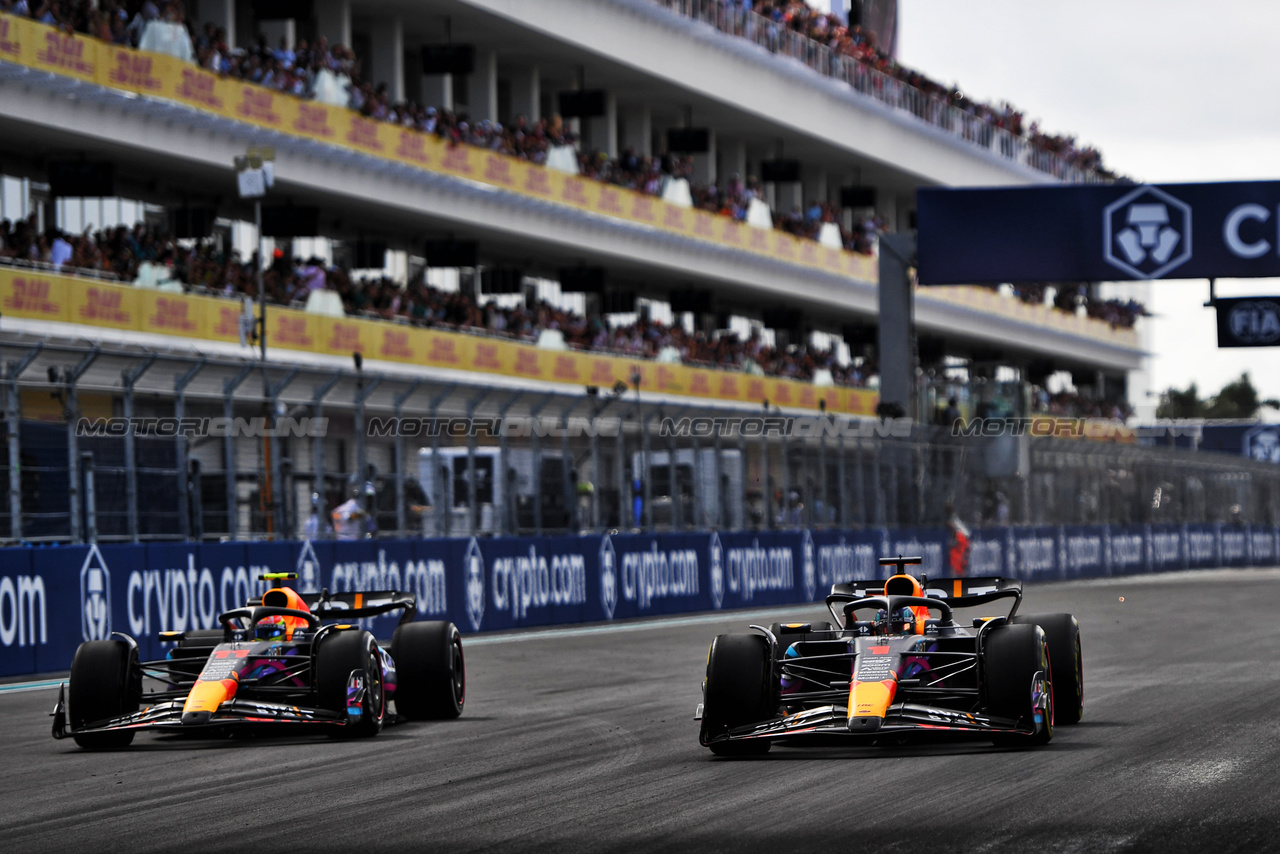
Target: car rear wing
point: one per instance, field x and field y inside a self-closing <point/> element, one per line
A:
<point x="372" y="603"/>
<point x="959" y="592"/>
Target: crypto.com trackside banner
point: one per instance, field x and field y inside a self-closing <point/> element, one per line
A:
<point x="51" y="599"/>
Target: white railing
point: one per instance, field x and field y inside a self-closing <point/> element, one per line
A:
<point x="973" y="129"/>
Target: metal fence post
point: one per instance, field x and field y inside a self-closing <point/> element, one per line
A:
<point x="363" y="390"/>
<point x="129" y="378"/>
<point x="279" y="506"/>
<point x="229" y="448"/>
<point x="537" y="461"/>
<point x="507" y="504"/>
<point x="317" y="449"/>
<point x="180" y="383"/>
<point x="568" y="486"/>
<point x="73" y="445"/>
<point x="442" y="501"/>
<point x="90" y="498"/>
<point x="472" y="518"/>
<point x="401" y="511"/>
<point x="13" y="415"/>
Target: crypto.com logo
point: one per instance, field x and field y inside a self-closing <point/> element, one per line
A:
<point x="1147" y="233"/>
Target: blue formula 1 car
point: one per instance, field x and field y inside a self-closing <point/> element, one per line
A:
<point x="278" y="662"/>
<point x="896" y="663"/>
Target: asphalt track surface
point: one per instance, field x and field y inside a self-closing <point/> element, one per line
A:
<point x="585" y="741"/>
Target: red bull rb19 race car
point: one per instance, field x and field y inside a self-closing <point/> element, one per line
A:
<point x="896" y="664"/>
<point x="280" y="662"/>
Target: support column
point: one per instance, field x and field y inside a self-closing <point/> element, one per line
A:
<point x="387" y="62"/>
<point x="333" y="20"/>
<point x="636" y="129"/>
<point x="897" y="322"/>
<point x="437" y="91"/>
<point x="814" y="184"/>
<point x="221" y="13"/>
<point x="734" y="157"/>
<point x="482" y="88"/>
<point x="602" y="131"/>
<point x="704" y="165"/>
<point x="526" y="94"/>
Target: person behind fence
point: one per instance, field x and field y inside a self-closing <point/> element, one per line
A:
<point x="316" y="526"/>
<point x="350" y="519"/>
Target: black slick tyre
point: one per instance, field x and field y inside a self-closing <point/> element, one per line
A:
<point x="1012" y="656"/>
<point x="431" y="674"/>
<point x="1063" y="634"/>
<point x="739" y="690"/>
<point x="339" y="654"/>
<point x="105" y="683"/>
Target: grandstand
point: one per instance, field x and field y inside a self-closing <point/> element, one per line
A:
<point x="572" y="209"/>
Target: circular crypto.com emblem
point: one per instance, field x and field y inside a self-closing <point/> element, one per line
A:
<point x="716" y="556"/>
<point x="1263" y="444"/>
<point x="1146" y="233"/>
<point x="608" y="576"/>
<point x="473" y="570"/>
<point x="1256" y="322"/>
<point x="95" y="597"/>
<point x="810" y="568"/>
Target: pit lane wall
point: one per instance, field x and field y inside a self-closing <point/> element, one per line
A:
<point x="53" y="598"/>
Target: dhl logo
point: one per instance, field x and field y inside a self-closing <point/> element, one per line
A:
<point x="395" y="345"/>
<point x="808" y="397"/>
<point x="413" y="147"/>
<point x="755" y="389"/>
<point x="171" y="314"/>
<point x="312" y="120"/>
<point x="666" y="378"/>
<point x="760" y="239"/>
<point x="31" y="296"/>
<point x="10" y="47"/>
<point x="200" y="88"/>
<point x="364" y="134"/>
<point x="809" y="252"/>
<point x="566" y="368"/>
<point x="732" y="233"/>
<point x="610" y="201"/>
<point x="257" y="105"/>
<point x="574" y="192"/>
<point x="133" y="71"/>
<point x="228" y="323"/>
<point x="64" y="52"/>
<point x="487" y="357"/>
<point x="527" y="362"/>
<point x="702" y="225"/>
<point x="443" y="350"/>
<point x="673" y="217"/>
<point x="642" y="208"/>
<point x="699" y="384"/>
<point x="497" y="170"/>
<point x="781" y="393"/>
<point x="345" y="338"/>
<point x="104" y="305"/>
<point x="784" y="247"/>
<point x="456" y="160"/>
<point x="292" y="331"/>
<point x="601" y="372"/>
<point x="536" y="180"/>
<point x="728" y="386"/>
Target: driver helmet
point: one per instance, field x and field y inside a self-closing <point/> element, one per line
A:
<point x="902" y="620"/>
<point x="271" y="628"/>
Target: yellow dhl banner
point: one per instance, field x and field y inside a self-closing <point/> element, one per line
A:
<point x="68" y="299"/>
<point x="35" y="45"/>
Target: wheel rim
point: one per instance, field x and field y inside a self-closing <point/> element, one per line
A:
<point x="459" y="673"/>
<point x="377" y="696"/>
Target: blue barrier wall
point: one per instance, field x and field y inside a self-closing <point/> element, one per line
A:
<point x="53" y="598"/>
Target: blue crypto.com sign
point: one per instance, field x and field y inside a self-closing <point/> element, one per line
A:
<point x="1099" y="233"/>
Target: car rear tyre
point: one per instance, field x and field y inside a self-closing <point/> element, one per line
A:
<point x="105" y="683"/>
<point x="739" y="690"/>
<point x="1012" y="656"/>
<point x="338" y="655"/>
<point x="1063" y="633"/>
<point x="431" y="674"/>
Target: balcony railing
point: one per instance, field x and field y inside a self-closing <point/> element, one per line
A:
<point x="975" y="130"/>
